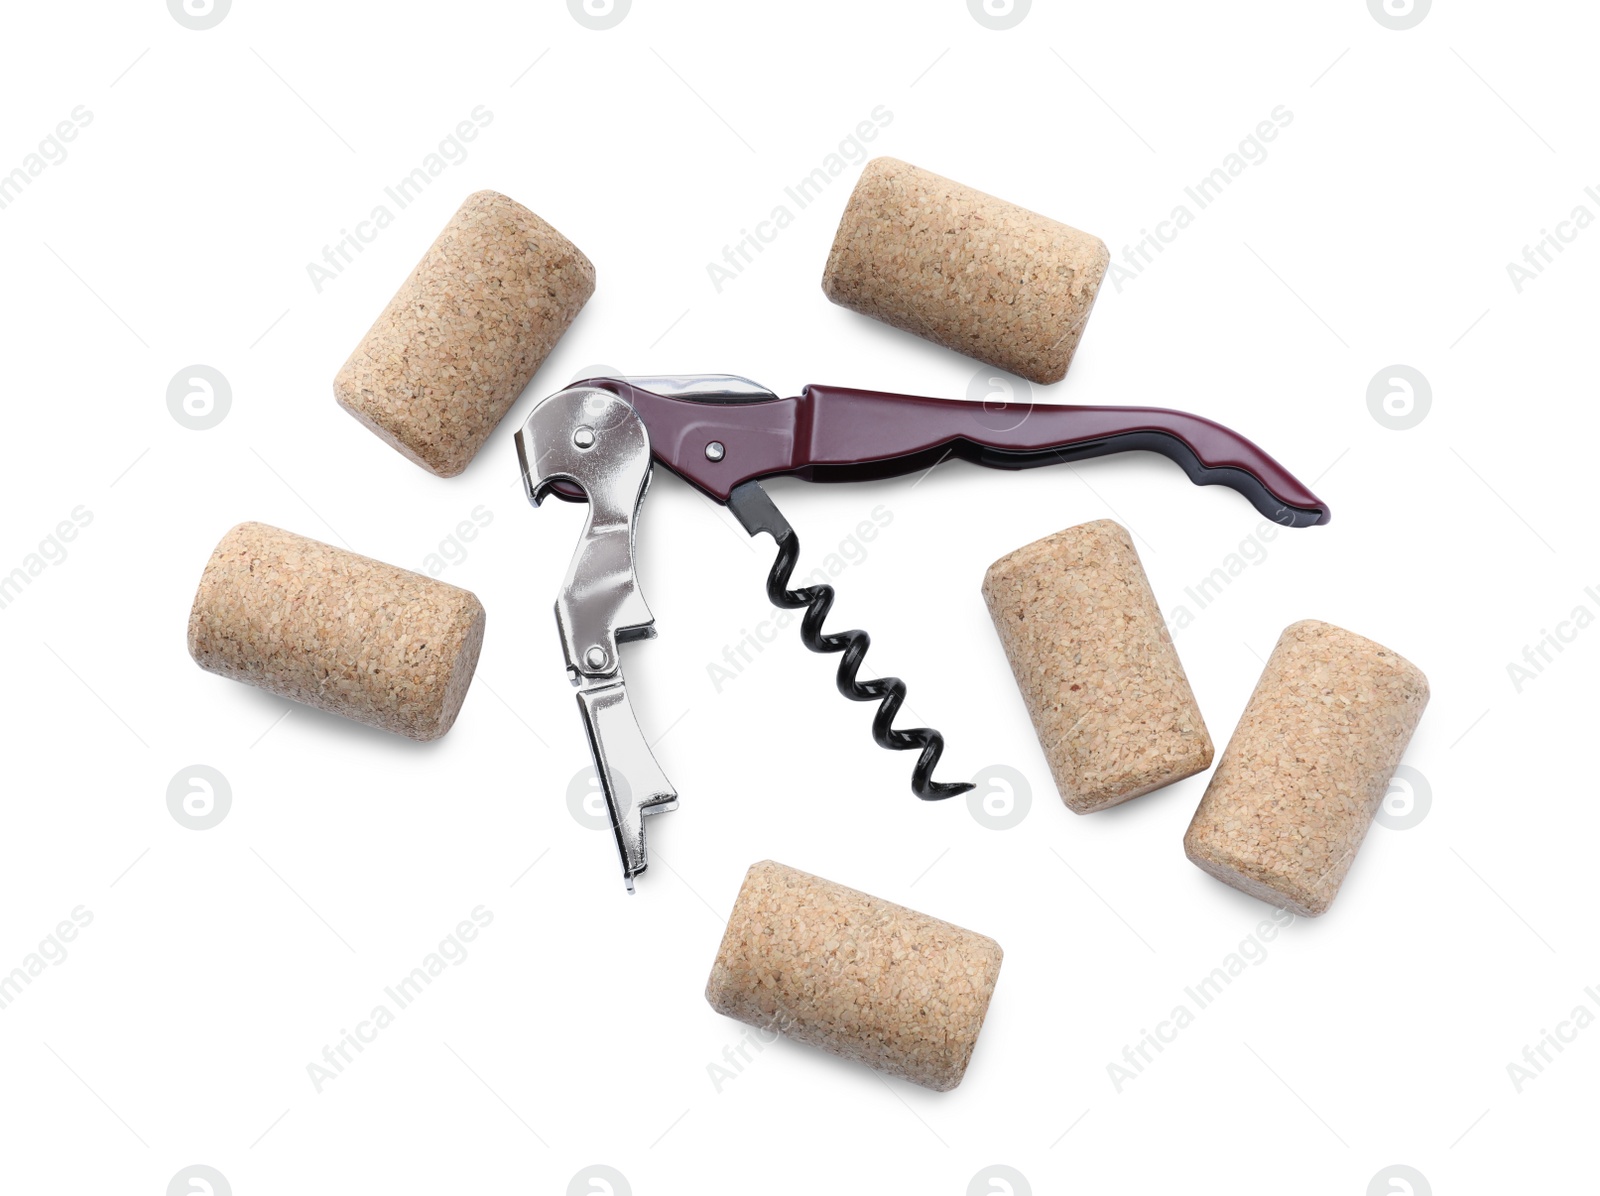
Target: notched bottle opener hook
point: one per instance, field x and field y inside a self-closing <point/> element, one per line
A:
<point x="594" y="440"/>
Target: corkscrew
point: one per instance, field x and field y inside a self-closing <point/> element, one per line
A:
<point x="751" y="506"/>
<point x="596" y="440"/>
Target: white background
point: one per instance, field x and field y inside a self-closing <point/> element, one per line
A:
<point x="177" y="231"/>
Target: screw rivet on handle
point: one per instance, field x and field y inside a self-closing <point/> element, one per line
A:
<point x="715" y="451"/>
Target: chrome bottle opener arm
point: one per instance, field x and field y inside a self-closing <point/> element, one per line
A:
<point x="595" y="440"/>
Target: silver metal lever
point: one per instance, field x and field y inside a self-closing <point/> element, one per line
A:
<point x="594" y="439"/>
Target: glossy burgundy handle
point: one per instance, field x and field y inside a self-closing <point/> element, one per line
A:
<point x="837" y="434"/>
<point x="858" y="434"/>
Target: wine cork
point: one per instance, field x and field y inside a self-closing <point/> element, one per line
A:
<point x="965" y="270"/>
<point x="337" y="631"/>
<point x="465" y="333"/>
<point x="861" y="978"/>
<point x="1307" y="767"/>
<point x="1097" y="669"/>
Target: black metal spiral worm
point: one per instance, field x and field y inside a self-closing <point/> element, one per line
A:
<point x="888" y="692"/>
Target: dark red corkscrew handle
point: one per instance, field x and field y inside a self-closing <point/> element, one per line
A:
<point x="838" y="434"/>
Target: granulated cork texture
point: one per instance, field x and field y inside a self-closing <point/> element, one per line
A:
<point x="1097" y="669"/>
<point x="337" y="631"/>
<point x="1308" y="767"/>
<point x="864" y="979"/>
<point x="465" y="333"/>
<point x="965" y="270"/>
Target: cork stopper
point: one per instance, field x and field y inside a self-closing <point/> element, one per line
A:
<point x="465" y="333"/>
<point x="1307" y="767"/>
<point x="861" y="978"/>
<point x="320" y="625"/>
<point x="1097" y="669"/>
<point x="965" y="270"/>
